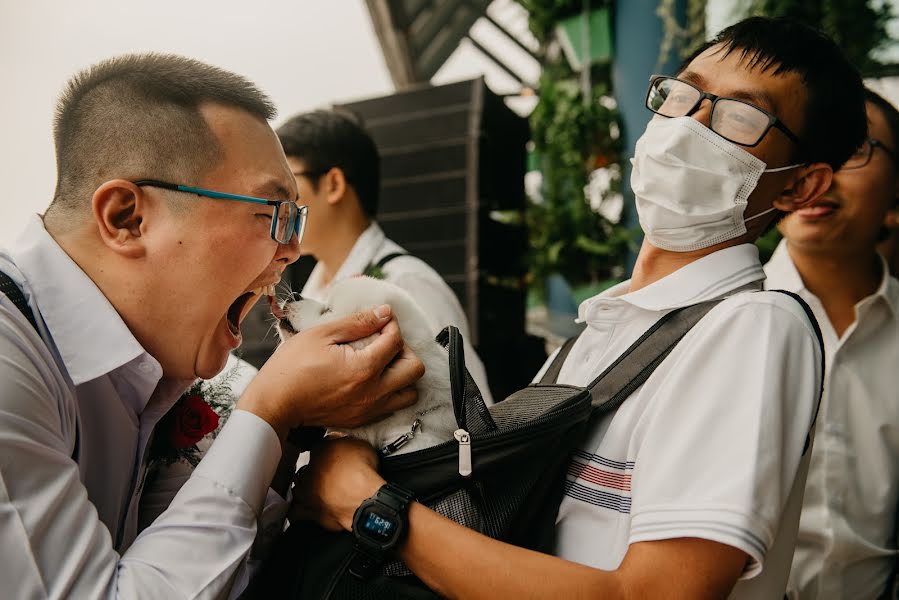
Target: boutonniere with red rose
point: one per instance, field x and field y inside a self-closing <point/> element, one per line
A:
<point x="199" y="412"/>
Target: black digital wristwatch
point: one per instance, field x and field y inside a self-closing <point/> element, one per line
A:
<point x="380" y="525"/>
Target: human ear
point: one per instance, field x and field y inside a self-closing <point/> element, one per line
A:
<point x="118" y="208"/>
<point x="810" y="183"/>
<point x="334" y="182"/>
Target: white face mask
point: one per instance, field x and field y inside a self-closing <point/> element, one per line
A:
<point x="691" y="185"/>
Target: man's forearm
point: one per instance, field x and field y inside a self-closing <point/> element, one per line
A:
<point x="457" y="562"/>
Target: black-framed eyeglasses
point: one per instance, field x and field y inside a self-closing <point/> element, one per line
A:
<point x="862" y="156"/>
<point x="733" y="119"/>
<point x="288" y="219"/>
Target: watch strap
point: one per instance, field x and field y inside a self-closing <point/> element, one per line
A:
<point x="395" y="497"/>
<point x="366" y="559"/>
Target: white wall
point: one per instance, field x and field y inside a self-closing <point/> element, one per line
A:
<point x="303" y="53"/>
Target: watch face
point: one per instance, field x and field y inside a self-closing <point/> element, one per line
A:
<point x="377" y="526"/>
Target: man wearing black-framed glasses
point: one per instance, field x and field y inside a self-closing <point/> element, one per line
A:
<point x="691" y="488"/>
<point x="829" y="257"/>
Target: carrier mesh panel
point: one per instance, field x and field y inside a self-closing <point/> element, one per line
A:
<point x="459" y="506"/>
<point x="477" y="417"/>
<point x="525" y="405"/>
<point x="509" y="496"/>
<point x="352" y="587"/>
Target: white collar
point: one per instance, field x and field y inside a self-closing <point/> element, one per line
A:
<point x="364" y="251"/>
<point x="782" y="268"/>
<point x="713" y="276"/>
<point x="89" y="334"/>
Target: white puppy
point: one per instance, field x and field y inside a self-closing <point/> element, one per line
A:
<point x="430" y="420"/>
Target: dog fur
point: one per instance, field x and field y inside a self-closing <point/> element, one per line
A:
<point x="434" y="408"/>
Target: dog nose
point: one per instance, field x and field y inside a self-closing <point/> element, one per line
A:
<point x="296" y="296"/>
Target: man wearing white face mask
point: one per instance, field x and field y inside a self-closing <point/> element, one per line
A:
<point x="691" y="488"/>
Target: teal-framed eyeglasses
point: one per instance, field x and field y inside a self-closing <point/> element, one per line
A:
<point x="287" y="220"/>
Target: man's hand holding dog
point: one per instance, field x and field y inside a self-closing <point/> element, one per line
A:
<point x="317" y="379"/>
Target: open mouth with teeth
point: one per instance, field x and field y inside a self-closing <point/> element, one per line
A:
<point x="241" y="307"/>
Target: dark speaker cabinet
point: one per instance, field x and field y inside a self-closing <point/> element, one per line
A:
<point x="451" y="157"/>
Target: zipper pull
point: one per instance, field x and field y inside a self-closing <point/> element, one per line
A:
<point x="464" y="451"/>
<point x="396" y="444"/>
<point x="401" y="441"/>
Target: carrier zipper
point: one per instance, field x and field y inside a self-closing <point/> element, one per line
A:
<point x="464" y="452"/>
<point x="439" y="452"/>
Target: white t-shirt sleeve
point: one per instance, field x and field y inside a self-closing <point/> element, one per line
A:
<point x="723" y="442"/>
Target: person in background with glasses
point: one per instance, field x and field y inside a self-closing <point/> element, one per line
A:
<point x="338" y="171"/>
<point x="847" y="534"/>
<point x="174" y="212"/>
<point x="692" y="487"/>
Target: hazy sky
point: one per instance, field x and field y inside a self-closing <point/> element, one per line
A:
<point x="304" y="53"/>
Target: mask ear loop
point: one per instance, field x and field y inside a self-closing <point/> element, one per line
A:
<point x="786" y="168"/>
<point x="756" y="216"/>
<point x="777" y="170"/>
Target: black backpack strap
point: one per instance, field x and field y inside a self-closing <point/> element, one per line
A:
<point x="637" y="363"/>
<point x="376" y="269"/>
<point x="12" y="291"/>
<point x="817" y="328"/>
<point x="552" y="372"/>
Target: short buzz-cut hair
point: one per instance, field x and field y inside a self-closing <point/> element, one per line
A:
<point x="835" y="123"/>
<point x="138" y="116"/>
<point x="324" y="139"/>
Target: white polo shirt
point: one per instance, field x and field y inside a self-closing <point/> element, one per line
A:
<point x="711" y="445"/>
<point x="416" y="277"/>
<point x="847" y="533"/>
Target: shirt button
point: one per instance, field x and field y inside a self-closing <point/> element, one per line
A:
<point x="146" y="367"/>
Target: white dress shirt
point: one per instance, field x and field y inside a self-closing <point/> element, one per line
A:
<point x="711" y="445"/>
<point x="416" y="277"/>
<point x="78" y="404"/>
<point x="847" y="534"/>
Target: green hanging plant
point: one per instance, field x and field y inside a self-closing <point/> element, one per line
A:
<point x="858" y="27"/>
<point x="687" y="37"/>
<point x="572" y="138"/>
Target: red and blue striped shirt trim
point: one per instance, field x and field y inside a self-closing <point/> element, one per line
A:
<point x="600" y="481"/>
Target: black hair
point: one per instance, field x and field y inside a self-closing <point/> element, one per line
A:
<point x="324" y="139"/>
<point x="835" y="122"/>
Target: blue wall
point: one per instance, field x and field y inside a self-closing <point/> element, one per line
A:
<point x="638" y="34"/>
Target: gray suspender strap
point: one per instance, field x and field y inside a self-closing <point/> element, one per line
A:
<point x="12" y="291"/>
